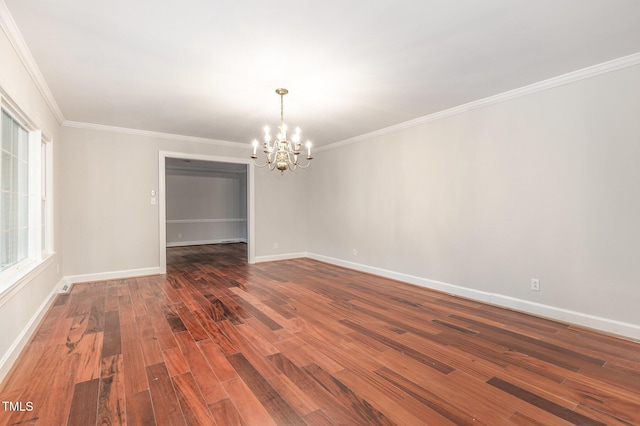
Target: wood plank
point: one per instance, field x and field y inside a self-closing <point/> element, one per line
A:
<point x="418" y="356"/>
<point x="257" y="313"/>
<point x="112" y="344"/>
<point x="173" y="319"/>
<point x="161" y="327"/>
<point x="620" y="404"/>
<point x="111" y="400"/>
<point x="193" y="404"/>
<point x="207" y="380"/>
<point x="334" y="408"/>
<point x="251" y="411"/>
<point x="318" y="418"/>
<point x="273" y="402"/>
<point x="436" y="403"/>
<point x="140" y="409"/>
<point x="219" y="311"/>
<point x="135" y="375"/>
<point x="163" y="397"/>
<point x="257" y="359"/>
<point x="125" y="307"/>
<point x="84" y="406"/>
<point x="151" y="350"/>
<point x="302" y="403"/>
<point x="96" y="315"/>
<point x="551" y="407"/>
<point x="217" y="361"/>
<point x="191" y="323"/>
<point x="175" y="362"/>
<point x="88" y="347"/>
<point x="225" y="413"/>
<point x="348" y="397"/>
<point x="218" y="336"/>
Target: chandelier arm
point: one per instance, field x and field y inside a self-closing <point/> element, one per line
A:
<point x="305" y="166"/>
<point x="268" y="161"/>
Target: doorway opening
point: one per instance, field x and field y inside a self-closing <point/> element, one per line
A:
<point x="204" y="200"/>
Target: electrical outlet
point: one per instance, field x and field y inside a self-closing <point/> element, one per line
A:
<point x="535" y="284"/>
<point x="275" y="245"/>
<point x="355" y="252"/>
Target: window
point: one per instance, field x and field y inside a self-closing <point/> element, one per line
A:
<point x="24" y="202"/>
<point x="15" y="193"/>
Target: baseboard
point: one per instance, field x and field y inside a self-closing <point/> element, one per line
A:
<point x="70" y="280"/>
<point x="286" y="256"/>
<point x="606" y="325"/>
<point x="23" y="338"/>
<point x="204" y="242"/>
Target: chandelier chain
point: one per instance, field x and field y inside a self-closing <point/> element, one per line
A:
<point x="282" y="109"/>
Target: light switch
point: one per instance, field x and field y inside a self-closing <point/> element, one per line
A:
<point x="153" y="193"/>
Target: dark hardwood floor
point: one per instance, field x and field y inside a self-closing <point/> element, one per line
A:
<point x="218" y="341"/>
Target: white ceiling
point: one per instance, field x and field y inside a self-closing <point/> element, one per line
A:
<point x="209" y="68"/>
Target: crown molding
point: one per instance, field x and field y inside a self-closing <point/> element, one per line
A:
<point x="10" y="28"/>
<point x="592" y="71"/>
<point x="150" y="133"/>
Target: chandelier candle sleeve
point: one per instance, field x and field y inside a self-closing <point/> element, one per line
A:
<point x="282" y="153"/>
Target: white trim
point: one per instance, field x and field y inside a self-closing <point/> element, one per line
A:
<point x="592" y="71"/>
<point x="205" y="242"/>
<point x="198" y="171"/>
<point x="162" y="212"/>
<point x="275" y="257"/>
<point x="11" y="355"/>
<point x="153" y="134"/>
<point x="49" y="185"/>
<point x="631" y="331"/>
<point x="205" y="220"/>
<point x="112" y="275"/>
<point x="162" y="205"/>
<point x="251" y="212"/>
<point x="14" y="35"/>
<point x="31" y="270"/>
<point x="35" y="194"/>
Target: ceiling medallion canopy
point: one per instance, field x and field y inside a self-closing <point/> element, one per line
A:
<point x="281" y="153"/>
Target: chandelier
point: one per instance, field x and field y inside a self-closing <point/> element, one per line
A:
<point x="281" y="153"/>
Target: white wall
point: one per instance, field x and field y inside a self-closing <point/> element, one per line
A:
<point x="21" y="308"/>
<point x="110" y="225"/>
<point x="543" y="186"/>
<point x="281" y="214"/>
<point x="205" y="206"/>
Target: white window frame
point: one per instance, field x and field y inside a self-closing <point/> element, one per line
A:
<point x="40" y="174"/>
<point x="46" y="195"/>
